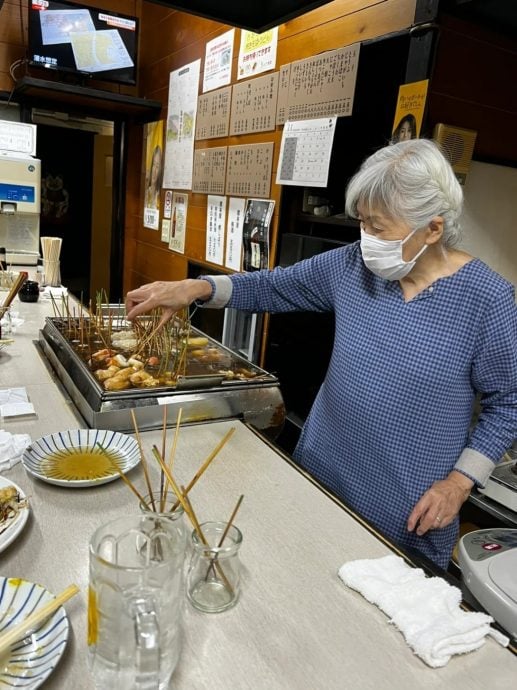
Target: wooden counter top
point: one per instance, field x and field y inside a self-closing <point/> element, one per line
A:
<point x="296" y="627"/>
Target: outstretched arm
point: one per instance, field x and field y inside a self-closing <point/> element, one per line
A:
<point x="170" y="296"/>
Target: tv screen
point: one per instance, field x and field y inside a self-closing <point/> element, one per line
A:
<point x="91" y="42"/>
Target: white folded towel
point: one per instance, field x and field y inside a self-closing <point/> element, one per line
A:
<point x="426" y="610"/>
<point x="11" y="448"/>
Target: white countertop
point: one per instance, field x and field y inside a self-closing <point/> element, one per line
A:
<point x="296" y="626"/>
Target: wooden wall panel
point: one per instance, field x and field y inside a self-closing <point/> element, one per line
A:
<point x="473" y="86"/>
<point x="170" y="39"/>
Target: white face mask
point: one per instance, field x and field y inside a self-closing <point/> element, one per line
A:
<point x="384" y="257"/>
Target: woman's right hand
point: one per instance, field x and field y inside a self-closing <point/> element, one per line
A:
<point x="170" y="296"/>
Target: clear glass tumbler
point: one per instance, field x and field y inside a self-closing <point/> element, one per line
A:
<point x="214" y="574"/>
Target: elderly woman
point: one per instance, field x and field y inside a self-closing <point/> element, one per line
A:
<point x="421" y="329"/>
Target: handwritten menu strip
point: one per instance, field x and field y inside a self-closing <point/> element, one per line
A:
<point x="254" y="105"/>
<point x="209" y="170"/>
<point x="213" y="114"/>
<point x="323" y="85"/>
<point x="249" y="170"/>
<point x="283" y="94"/>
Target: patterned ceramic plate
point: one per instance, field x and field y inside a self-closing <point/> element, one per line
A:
<point x="81" y="457"/>
<point x="29" y="662"/>
<point x="14" y="521"/>
<point x="5" y="341"/>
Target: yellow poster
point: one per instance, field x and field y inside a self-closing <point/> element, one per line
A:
<point x="410" y="111"/>
<point x="153" y="173"/>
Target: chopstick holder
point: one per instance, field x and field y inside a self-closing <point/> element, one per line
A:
<point x="24" y="628"/>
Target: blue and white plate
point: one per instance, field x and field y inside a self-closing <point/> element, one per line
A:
<point x="13" y="524"/>
<point x="29" y="662"/>
<point x="81" y="457"/>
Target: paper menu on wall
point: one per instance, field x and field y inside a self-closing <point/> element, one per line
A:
<point x="248" y="172"/>
<point x="209" y="175"/>
<point x="282" y="102"/>
<point x="254" y="105"/>
<point x="215" y="223"/>
<point x="323" y="85"/>
<point x="217" y="69"/>
<point x="233" y="255"/>
<point x="305" y="152"/>
<point x="255" y="234"/>
<point x="213" y="114"/>
<point x="181" y="123"/>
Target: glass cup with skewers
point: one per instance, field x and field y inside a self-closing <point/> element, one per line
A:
<point x="165" y="505"/>
<point x="213" y="579"/>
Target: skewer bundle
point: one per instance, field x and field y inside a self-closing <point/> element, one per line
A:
<point x="51" y="250"/>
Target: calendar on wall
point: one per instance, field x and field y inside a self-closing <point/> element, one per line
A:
<point x="213" y="114"/>
<point x="209" y="174"/>
<point x="305" y="152"/>
<point x="248" y="172"/>
<point x="254" y="105"/>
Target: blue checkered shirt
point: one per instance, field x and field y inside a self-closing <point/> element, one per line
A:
<point x="393" y="414"/>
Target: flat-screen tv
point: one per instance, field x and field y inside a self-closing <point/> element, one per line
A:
<point x="90" y="42"/>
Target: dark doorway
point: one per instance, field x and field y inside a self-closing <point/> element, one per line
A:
<point x="66" y="200"/>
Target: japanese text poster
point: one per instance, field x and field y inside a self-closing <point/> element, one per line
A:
<point x="257" y="53"/>
<point x="218" y="61"/>
<point x="255" y="234"/>
<point x="153" y="173"/>
<point x="178" y="222"/>
<point x="215" y="222"/>
<point x="410" y="111"/>
<point x="234" y="234"/>
<point x="181" y="126"/>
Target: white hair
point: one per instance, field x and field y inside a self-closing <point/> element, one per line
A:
<point x="411" y="181"/>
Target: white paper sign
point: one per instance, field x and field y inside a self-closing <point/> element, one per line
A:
<point x="215" y="222"/>
<point x="218" y="61"/>
<point x="257" y="53"/>
<point x="305" y="152"/>
<point x="234" y="234"/>
<point x="181" y="126"/>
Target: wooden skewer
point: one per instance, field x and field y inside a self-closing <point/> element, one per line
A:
<point x="223" y="537"/>
<point x="164" y="433"/>
<point x="173" y="453"/>
<point x="207" y="462"/>
<point x="126" y="481"/>
<point x="144" y="461"/>
<point x="32" y="621"/>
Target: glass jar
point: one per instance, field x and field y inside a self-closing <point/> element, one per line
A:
<point x="161" y="507"/>
<point x="214" y="577"/>
<point x="29" y="291"/>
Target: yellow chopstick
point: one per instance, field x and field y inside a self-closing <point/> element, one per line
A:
<point x="23" y="628"/>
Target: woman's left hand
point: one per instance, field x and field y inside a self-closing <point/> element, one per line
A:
<point x="440" y="504"/>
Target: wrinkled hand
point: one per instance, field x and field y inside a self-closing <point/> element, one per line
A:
<point x="440" y="504"/>
<point x="170" y="296"/>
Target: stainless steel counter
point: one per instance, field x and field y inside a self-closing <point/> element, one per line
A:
<point x="296" y="627"/>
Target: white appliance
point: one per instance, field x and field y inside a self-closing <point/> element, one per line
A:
<point x="488" y="562"/>
<point x="20" y="185"/>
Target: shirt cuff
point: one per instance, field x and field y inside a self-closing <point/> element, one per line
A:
<point x="475" y="465"/>
<point x="222" y="288"/>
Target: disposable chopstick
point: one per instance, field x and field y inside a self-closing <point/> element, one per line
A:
<point x="32" y="621"/>
<point x="207" y="462"/>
